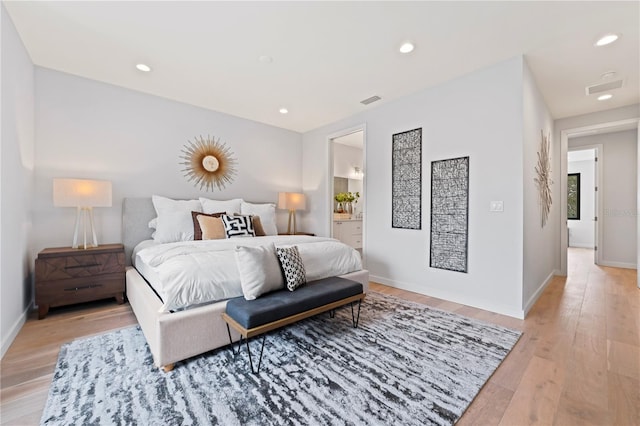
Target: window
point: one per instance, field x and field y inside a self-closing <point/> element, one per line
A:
<point x="573" y="196"/>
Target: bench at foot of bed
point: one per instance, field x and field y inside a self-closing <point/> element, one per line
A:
<point x="274" y="310"/>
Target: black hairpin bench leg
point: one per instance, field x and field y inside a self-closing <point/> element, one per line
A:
<point x="236" y="352"/>
<point x="355" y="318"/>
<point x="264" y="337"/>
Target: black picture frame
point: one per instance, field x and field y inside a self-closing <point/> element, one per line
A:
<point x="449" y="214"/>
<point x="406" y="179"/>
<point x="573" y="196"/>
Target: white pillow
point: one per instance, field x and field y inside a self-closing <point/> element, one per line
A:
<point x="230" y="207"/>
<point x="267" y="213"/>
<point x="259" y="270"/>
<point x="174" y="219"/>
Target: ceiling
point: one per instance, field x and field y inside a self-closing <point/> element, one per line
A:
<point x="328" y="56"/>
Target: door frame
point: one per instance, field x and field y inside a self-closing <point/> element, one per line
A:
<point x="329" y="195"/>
<point x="608" y="127"/>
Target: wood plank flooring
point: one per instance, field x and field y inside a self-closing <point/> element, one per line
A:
<point x="578" y="362"/>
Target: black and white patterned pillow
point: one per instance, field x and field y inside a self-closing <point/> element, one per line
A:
<point x="292" y="266"/>
<point x="238" y="226"/>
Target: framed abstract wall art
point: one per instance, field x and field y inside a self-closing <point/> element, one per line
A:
<point x="449" y="214"/>
<point x="406" y="172"/>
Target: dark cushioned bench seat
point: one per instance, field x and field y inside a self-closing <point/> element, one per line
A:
<point x="284" y="303"/>
<point x="279" y="308"/>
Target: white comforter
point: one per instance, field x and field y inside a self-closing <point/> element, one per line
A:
<point x="196" y="272"/>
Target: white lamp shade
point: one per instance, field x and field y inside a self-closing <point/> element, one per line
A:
<point x="81" y="193"/>
<point x="291" y="201"/>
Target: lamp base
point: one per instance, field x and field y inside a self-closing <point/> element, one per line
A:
<point x="84" y="214"/>
<point x="292" y="214"/>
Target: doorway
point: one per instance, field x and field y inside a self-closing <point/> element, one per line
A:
<point x="602" y="128"/>
<point x="347" y="194"/>
<point x="582" y="198"/>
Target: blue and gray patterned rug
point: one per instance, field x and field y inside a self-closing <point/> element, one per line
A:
<point x="406" y="364"/>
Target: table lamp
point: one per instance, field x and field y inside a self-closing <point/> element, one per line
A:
<point x="84" y="195"/>
<point x="291" y="201"/>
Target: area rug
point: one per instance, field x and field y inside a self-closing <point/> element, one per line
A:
<point x="405" y="364"/>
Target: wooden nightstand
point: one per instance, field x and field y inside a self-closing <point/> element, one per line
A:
<point x="65" y="276"/>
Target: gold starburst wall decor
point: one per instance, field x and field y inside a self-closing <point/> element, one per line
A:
<point x="543" y="180"/>
<point x="208" y="163"/>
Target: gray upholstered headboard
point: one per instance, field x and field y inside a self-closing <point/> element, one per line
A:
<point x="136" y="214"/>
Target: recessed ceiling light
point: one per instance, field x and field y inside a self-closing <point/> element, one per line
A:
<point x="265" y="59"/>
<point x="605" y="97"/>
<point x="606" y="39"/>
<point x="284" y="111"/>
<point x="143" y="67"/>
<point x="608" y="75"/>
<point x="407" y="47"/>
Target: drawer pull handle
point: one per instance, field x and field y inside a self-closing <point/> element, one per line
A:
<point x="82" y="266"/>
<point x="84" y="287"/>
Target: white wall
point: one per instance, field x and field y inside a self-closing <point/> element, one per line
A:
<point x="630" y="112"/>
<point x="16" y="166"/>
<point x="479" y="115"/>
<point x="89" y="129"/>
<point x="581" y="232"/>
<point x="540" y="248"/>
<point x="618" y="195"/>
<point x="344" y="159"/>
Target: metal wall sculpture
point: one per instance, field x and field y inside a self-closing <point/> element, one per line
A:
<point x="543" y="179"/>
<point x="406" y="192"/>
<point x="208" y="163"/>
<point x="449" y="214"/>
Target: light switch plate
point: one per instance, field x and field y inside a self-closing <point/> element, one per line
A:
<point x="496" y="206"/>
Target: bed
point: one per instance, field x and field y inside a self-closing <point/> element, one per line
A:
<point x="180" y="334"/>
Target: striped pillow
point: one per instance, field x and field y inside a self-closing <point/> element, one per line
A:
<point x="238" y="226"/>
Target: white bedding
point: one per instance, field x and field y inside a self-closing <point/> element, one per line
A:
<point x="189" y="273"/>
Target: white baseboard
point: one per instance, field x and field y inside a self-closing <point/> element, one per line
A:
<point x="427" y="291"/>
<point x="15" y="329"/>
<point x="534" y="297"/>
<point x="624" y="265"/>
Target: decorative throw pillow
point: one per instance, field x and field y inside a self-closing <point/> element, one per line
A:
<point x="211" y="227"/>
<point x="174" y="219"/>
<point x="227" y="206"/>
<point x="266" y="212"/>
<point x="238" y="226"/>
<point x="292" y="266"/>
<point x="259" y="270"/>
<point x="197" y="230"/>
<point x="257" y="226"/>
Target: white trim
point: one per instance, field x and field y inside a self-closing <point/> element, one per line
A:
<point x="448" y="296"/>
<point x="535" y="296"/>
<point x="15" y="329"/>
<point x="624" y="265"/>
<point x="609" y="127"/>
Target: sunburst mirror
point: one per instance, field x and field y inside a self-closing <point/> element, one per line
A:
<point x="208" y="163"/>
<point x="543" y="179"/>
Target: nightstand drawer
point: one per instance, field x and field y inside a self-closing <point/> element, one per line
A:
<point x="64" y="292"/>
<point x="79" y="265"/>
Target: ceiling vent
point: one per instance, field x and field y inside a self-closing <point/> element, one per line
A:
<point x="603" y="87"/>
<point x="370" y="100"/>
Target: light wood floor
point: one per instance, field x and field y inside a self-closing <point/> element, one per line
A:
<point x="578" y="362"/>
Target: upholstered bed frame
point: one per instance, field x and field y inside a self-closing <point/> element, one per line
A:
<point x="176" y="336"/>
